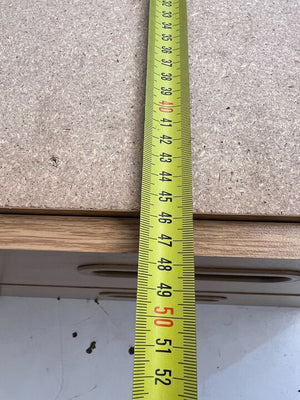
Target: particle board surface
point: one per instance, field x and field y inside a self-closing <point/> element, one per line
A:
<point x="72" y="99"/>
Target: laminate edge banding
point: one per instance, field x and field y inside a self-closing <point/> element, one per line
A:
<point x="120" y="235"/>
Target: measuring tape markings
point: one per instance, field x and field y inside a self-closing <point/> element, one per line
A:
<point x="165" y="346"/>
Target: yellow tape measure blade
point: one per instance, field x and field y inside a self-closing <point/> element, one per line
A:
<point x="165" y="347"/>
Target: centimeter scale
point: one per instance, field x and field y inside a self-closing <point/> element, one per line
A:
<point x="165" y="344"/>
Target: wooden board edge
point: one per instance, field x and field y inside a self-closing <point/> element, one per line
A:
<point x="212" y="238"/>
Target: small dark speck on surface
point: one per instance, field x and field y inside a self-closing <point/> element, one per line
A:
<point x="131" y="350"/>
<point x="58" y="298"/>
<point x="54" y="161"/>
<point x="227" y="108"/>
<point x="74" y="334"/>
<point x="92" y="346"/>
<point x="96" y="301"/>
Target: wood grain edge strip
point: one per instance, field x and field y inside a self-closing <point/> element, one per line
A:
<point x="247" y="239"/>
<point x="120" y="235"/>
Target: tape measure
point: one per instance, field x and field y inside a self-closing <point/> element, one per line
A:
<point x="165" y="341"/>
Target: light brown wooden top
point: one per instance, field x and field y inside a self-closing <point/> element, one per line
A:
<point x="120" y="235"/>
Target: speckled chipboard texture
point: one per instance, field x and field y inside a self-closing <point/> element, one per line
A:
<point x="72" y="79"/>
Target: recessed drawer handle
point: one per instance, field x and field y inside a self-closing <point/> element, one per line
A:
<point x="242" y="275"/>
<point x="208" y="298"/>
<point x="109" y="270"/>
<point x="131" y="294"/>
